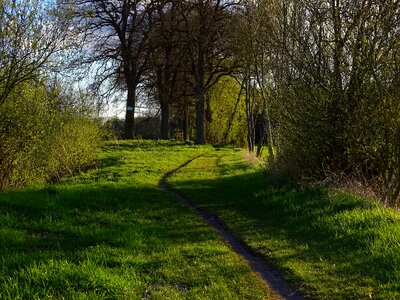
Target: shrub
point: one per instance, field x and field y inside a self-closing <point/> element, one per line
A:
<point x="74" y="145"/>
<point x="40" y="142"/>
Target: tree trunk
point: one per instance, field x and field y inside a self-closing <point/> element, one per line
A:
<point x="164" y="118"/>
<point x="166" y="82"/>
<point x="266" y="123"/>
<point x="250" y="128"/>
<point x="232" y="118"/>
<point x="200" y="75"/>
<point x="268" y="129"/>
<point x="186" y="135"/>
<point x="200" y="116"/>
<point x="260" y="63"/>
<point x="261" y="140"/>
<point x="130" y="112"/>
<point x="249" y="117"/>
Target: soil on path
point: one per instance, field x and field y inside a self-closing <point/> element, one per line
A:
<point x="270" y="276"/>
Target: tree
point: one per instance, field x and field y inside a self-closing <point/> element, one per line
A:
<point x="228" y="122"/>
<point x="336" y="78"/>
<point x="167" y="59"/>
<point x="207" y="39"/>
<point x="31" y="32"/>
<point x="255" y="47"/>
<point x="118" y="34"/>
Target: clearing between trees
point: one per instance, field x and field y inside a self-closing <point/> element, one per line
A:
<point x="113" y="233"/>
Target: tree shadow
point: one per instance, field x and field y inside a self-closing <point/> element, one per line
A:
<point x="115" y="230"/>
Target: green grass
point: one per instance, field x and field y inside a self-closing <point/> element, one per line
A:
<point x="331" y="244"/>
<point x="113" y="234"/>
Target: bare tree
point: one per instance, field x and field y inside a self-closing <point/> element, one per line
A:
<point x="207" y="40"/>
<point x="118" y="33"/>
<point x="336" y="76"/>
<point x="167" y="59"/>
<point x="30" y="33"/>
<point x="256" y="48"/>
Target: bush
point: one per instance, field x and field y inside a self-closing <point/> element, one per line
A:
<point x="41" y="143"/>
<point x="74" y="146"/>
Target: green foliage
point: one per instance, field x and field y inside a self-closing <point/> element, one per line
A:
<point x="74" y="146"/>
<point x="25" y="120"/>
<point x="38" y="142"/>
<point x="39" y="139"/>
<point x="223" y="97"/>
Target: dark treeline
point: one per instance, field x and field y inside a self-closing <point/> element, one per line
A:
<point x="316" y="82"/>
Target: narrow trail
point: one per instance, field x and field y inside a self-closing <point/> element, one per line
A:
<point x="270" y="276"/>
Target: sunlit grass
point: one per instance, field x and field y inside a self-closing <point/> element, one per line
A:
<point x="113" y="234"/>
<point x="331" y="244"/>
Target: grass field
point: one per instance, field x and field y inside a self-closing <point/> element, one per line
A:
<point x="330" y="244"/>
<point x="113" y="234"/>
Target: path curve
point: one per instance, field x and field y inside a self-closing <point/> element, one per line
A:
<point x="270" y="276"/>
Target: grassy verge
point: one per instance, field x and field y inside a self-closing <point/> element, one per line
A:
<point x="331" y="244"/>
<point x="113" y="234"/>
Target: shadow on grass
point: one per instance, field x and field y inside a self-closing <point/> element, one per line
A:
<point x="104" y="208"/>
<point x="110" y="243"/>
<point x="237" y="166"/>
<point x="38" y="225"/>
<point x="332" y="233"/>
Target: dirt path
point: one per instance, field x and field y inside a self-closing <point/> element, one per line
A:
<point x="268" y="275"/>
